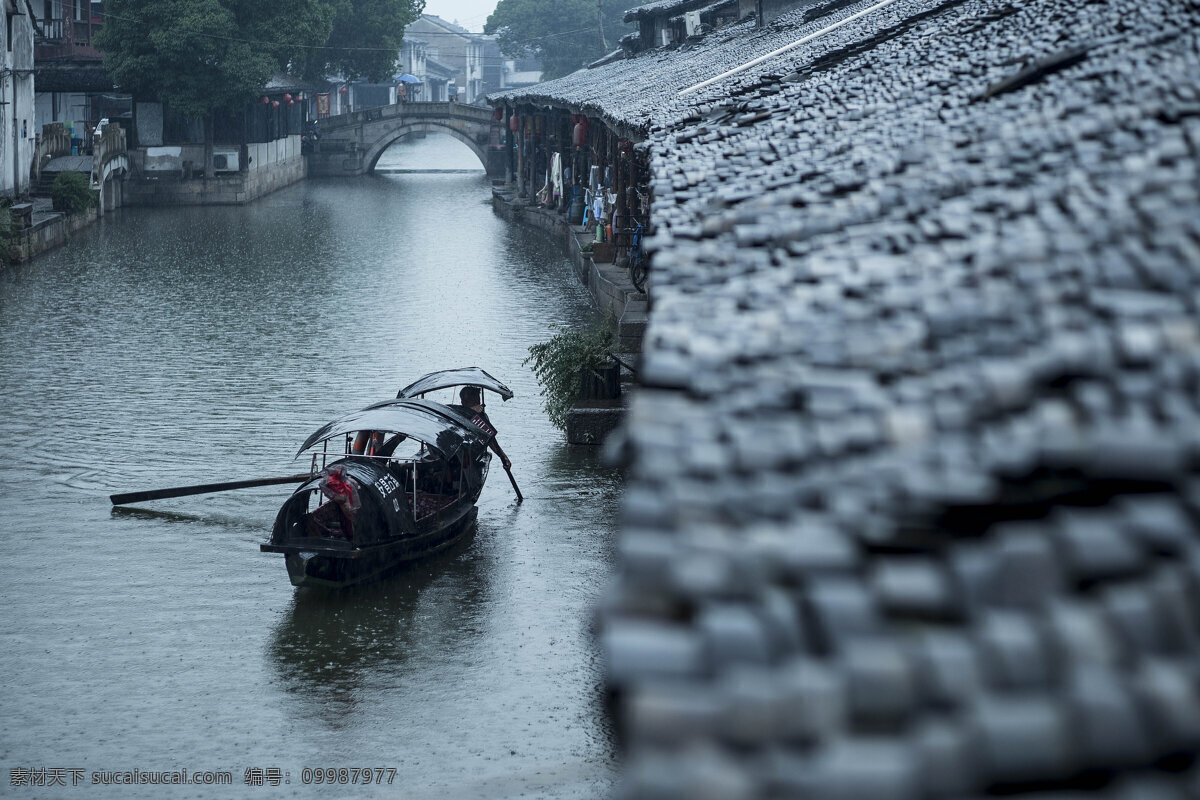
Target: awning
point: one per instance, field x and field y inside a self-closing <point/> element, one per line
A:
<point x="465" y="376"/>
<point x="432" y="424"/>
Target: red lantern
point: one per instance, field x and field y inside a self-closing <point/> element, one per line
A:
<point x="291" y="102"/>
<point x="342" y="90"/>
<point x="287" y="98"/>
<point x="580" y="137"/>
<point x="265" y="99"/>
<point x="274" y="104"/>
<point x="513" y="123"/>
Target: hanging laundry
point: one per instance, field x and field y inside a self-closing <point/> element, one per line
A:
<point x="556" y="176"/>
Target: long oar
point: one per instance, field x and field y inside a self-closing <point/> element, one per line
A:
<point x="204" y="488"/>
<point x="513" y="481"/>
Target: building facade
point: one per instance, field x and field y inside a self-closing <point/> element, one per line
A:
<point x="456" y="48"/>
<point x="17" y="126"/>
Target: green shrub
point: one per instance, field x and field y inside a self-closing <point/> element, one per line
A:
<point x="72" y="193"/>
<point x="557" y="363"/>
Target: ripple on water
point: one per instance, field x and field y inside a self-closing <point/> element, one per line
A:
<point x="174" y="346"/>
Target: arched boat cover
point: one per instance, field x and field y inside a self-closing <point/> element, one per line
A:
<point x="466" y="376"/>
<point x="430" y="423"/>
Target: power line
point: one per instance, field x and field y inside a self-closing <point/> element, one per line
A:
<point x="416" y="35"/>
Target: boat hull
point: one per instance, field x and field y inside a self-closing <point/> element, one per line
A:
<point x="335" y="544"/>
<point x="336" y="568"/>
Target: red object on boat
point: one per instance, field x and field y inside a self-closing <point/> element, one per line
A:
<point x="337" y="488"/>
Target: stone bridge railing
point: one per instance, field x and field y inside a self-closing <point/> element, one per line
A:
<point x="55" y="140"/>
<point x="108" y="145"/>
<point x="110" y="156"/>
<point x="460" y="111"/>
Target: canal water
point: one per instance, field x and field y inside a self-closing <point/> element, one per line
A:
<point x="168" y="347"/>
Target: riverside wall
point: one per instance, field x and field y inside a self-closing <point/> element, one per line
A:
<point x="607" y="283"/>
<point x="590" y="422"/>
<point x="272" y="166"/>
<point x="47" y="230"/>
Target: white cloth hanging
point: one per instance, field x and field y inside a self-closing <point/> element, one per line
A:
<point x="556" y="174"/>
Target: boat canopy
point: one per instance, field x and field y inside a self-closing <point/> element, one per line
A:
<point x="430" y="423"/>
<point x="465" y="376"/>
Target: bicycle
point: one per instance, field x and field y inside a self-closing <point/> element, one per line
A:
<point x="638" y="267"/>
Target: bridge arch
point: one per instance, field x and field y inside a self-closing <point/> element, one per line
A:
<point x="352" y="143"/>
<point x="424" y="126"/>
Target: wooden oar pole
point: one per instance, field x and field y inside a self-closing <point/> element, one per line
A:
<point x="204" y="488"/>
<point x="513" y="481"/>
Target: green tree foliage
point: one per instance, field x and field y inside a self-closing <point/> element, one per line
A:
<point x="558" y="362"/>
<point x="201" y="56"/>
<point x="367" y="35"/>
<point x="366" y="38"/>
<point x="563" y="34"/>
<point x="72" y="193"/>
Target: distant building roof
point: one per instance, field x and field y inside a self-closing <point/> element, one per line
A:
<point x="449" y="26"/>
<point x="663" y="8"/>
<point x="443" y="70"/>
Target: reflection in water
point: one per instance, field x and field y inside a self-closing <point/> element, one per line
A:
<point x="331" y="646"/>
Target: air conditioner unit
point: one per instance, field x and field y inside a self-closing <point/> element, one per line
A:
<point x="225" y="161"/>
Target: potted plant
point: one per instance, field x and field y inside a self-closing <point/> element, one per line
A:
<point x="575" y="365"/>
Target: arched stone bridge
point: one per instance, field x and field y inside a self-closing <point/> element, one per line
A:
<point x="350" y="144"/>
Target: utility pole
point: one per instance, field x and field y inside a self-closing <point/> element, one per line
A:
<point x="600" y="22"/>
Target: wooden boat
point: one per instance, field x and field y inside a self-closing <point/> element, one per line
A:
<point x="367" y="511"/>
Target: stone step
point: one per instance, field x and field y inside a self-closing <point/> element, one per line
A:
<point x="591" y="424"/>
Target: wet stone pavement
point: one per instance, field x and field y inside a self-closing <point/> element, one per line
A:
<point x="913" y="508"/>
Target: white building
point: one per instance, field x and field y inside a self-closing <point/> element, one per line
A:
<point x="17" y="130"/>
<point x="452" y="46"/>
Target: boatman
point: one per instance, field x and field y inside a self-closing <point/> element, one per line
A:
<point x="472" y="409"/>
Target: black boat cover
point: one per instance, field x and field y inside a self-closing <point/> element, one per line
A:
<point x="466" y="376"/>
<point x="430" y="423"/>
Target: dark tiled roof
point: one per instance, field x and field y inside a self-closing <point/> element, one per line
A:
<point x="642" y="90"/>
<point x="913" y="478"/>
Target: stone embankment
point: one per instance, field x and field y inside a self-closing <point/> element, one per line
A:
<point x="38" y="228"/>
<point x="913" y="508"/>
<point x="591" y="421"/>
